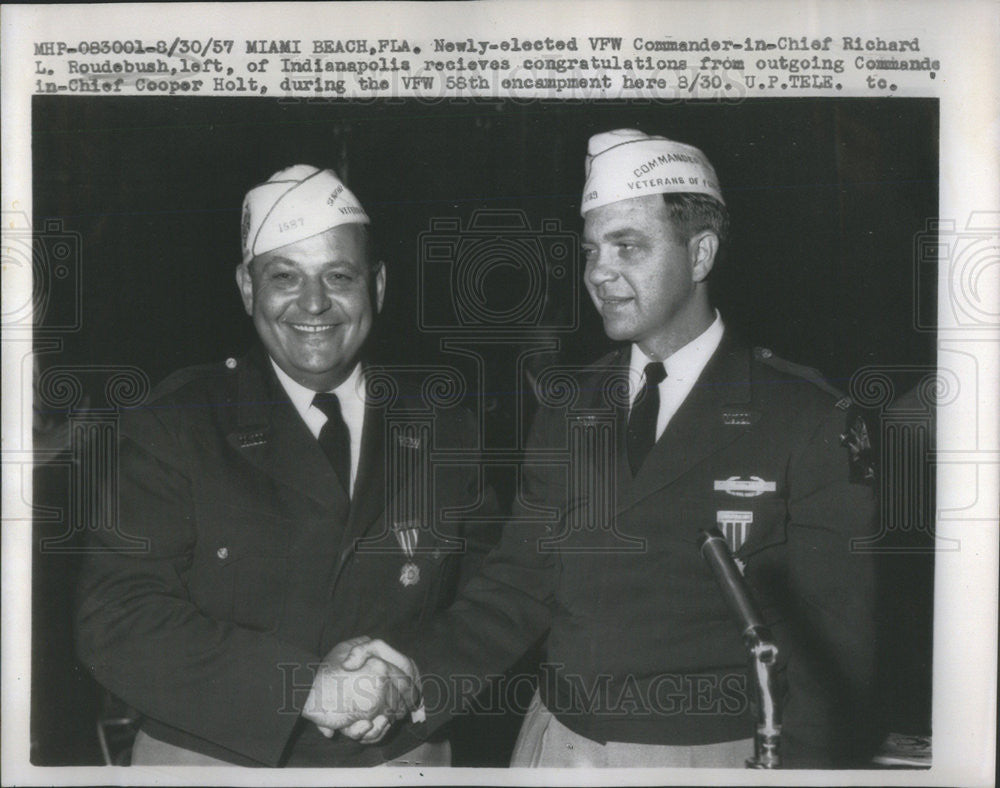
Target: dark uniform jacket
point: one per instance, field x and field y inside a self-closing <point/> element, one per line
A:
<point x="640" y="644"/>
<point x="237" y="561"/>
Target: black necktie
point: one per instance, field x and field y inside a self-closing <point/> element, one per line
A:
<point x="641" y="433"/>
<point x="334" y="438"/>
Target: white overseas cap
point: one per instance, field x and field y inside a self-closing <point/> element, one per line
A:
<point x="294" y="204"/>
<point x="627" y="163"/>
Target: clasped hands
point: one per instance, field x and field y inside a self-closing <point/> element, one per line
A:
<point x="360" y="689"/>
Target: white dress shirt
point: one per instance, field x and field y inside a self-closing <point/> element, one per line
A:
<point x="350" y="393"/>
<point x="683" y="369"/>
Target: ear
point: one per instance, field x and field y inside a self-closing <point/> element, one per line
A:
<point x="702" y="249"/>
<point x="244" y="281"/>
<point x="379" y="286"/>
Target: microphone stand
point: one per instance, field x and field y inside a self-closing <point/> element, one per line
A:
<point x="759" y="643"/>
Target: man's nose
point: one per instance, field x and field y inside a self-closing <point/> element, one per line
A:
<point x="314" y="297"/>
<point x="598" y="271"/>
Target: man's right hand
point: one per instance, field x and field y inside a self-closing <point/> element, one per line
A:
<point x="360" y="689"/>
<point x="364" y="648"/>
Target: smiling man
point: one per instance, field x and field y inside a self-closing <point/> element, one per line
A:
<point x="313" y="294"/>
<point x="256" y="485"/>
<point x="644" y="661"/>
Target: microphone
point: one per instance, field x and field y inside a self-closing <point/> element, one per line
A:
<point x="715" y="550"/>
<point x="759" y="642"/>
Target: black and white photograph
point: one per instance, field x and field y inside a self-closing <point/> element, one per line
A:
<point x="486" y="434"/>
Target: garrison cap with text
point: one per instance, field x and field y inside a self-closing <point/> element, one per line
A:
<point x="628" y="163"/>
<point x="295" y="203"/>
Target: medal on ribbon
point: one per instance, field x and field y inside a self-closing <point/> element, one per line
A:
<point x="735" y="526"/>
<point x="408" y="536"/>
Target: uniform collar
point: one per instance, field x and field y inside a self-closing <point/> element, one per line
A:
<point x="717" y="412"/>
<point x="686" y="364"/>
<point x="351" y="392"/>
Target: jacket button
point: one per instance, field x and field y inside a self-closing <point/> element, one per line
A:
<point x="231" y="363"/>
<point x="222" y="553"/>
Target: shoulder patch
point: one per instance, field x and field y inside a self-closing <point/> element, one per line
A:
<point x="860" y="456"/>
<point x="810" y="374"/>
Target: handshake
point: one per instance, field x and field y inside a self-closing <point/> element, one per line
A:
<point x="361" y="688"/>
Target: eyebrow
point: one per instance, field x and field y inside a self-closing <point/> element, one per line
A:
<point x="337" y="263"/>
<point x="617" y="235"/>
<point x="630" y="232"/>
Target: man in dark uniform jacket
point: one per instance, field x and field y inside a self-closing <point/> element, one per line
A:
<point x="272" y="525"/>
<point x="644" y="661"/>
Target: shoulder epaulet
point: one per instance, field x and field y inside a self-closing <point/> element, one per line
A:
<point x="814" y="376"/>
<point x="177" y="380"/>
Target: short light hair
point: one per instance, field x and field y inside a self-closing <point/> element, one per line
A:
<point x="693" y="213"/>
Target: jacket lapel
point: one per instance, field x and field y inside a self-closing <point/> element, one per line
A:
<point x="368" y="501"/>
<point x="368" y="527"/>
<point x="699" y="428"/>
<point x="622" y="475"/>
<point x="605" y="386"/>
<point x="271" y="435"/>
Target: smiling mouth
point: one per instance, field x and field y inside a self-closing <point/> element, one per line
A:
<point x="614" y="301"/>
<point x="308" y="328"/>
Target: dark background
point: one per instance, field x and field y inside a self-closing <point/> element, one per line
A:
<point x="826" y="196"/>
